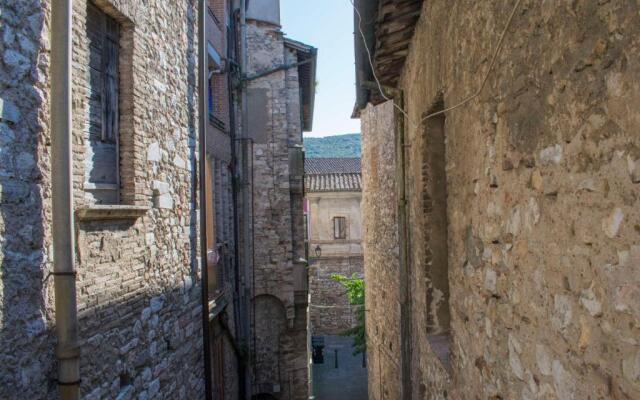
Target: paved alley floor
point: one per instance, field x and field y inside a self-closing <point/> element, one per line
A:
<point x="344" y="380"/>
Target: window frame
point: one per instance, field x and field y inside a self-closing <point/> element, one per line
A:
<point x="338" y="233"/>
<point x="108" y="86"/>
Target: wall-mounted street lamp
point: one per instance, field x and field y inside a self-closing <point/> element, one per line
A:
<point x="318" y="251"/>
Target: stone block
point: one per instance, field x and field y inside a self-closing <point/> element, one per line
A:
<point x="611" y="224"/>
<point x="551" y="155"/>
<point x="9" y="112"/>
<point x="153" y="152"/>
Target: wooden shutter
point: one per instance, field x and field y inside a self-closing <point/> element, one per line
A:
<point x="102" y="174"/>
<point x="110" y="61"/>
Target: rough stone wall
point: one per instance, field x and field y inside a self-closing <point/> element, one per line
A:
<point x="26" y="356"/>
<point x="329" y="310"/>
<point x="271" y="186"/>
<point x="138" y="296"/>
<point x="542" y="180"/>
<point x="275" y="206"/>
<point x="380" y="244"/>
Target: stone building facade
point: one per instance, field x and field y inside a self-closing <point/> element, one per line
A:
<point x="501" y="240"/>
<point x="134" y="157"/>
<point x="135" y="191"/>
<point x="280" y="88"/>
<point x="334" y="225"/>
<point x="226" y="313"/>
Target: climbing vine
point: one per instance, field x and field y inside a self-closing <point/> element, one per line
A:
<point x="354" y="286"/>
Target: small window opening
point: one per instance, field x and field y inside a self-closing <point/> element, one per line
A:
<point x="436" y="225"/>
<point x="102" y="179"/>
<point x="339" y="227"/>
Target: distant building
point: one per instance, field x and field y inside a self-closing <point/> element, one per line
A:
<point x="279" y="101"/>
<point x="333" y="194"/>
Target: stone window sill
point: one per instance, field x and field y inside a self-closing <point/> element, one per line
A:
<point x="111" y="212"/>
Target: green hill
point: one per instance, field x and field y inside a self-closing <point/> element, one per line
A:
<point x="333" y="146"/>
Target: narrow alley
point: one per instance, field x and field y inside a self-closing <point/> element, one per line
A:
<point x="335" y="200"/>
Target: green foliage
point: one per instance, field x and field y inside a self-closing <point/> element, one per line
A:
<point x="354" y="286"/>
<point x="333" y="146"/>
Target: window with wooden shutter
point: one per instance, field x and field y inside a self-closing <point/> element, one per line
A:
<point x="102" y="176"/>
<point x="339" y="228"/>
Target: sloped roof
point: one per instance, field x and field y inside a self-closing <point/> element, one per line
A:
<point x="307" y="64"/>
<point x="332" y="175"/>
<point x="388" y="27"/>
<point x="333" y="183"/>
<point x="331" y="165"/>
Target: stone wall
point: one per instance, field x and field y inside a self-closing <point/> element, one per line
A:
<point x="138" y="290"/>
<point x="274" y="125"/>
<point x="380" y="243"/>
<point x="542" y="191"/>
<point x="27" y="363"/>
<point x="329" y="310"/>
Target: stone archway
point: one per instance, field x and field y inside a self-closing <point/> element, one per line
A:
<point x="270" y="326"/>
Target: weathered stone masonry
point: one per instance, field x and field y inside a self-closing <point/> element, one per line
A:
<point x="542" y="192"/>
<point x="329" y="310"/>
<point x="277" y="119"/>
<point x="138" y="289"/>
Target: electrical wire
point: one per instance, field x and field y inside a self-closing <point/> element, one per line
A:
<point x="461" y="103"/>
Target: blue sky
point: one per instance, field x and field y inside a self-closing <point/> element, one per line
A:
<point x="327" y="25"/>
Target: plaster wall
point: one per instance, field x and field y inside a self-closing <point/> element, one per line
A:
<point x="323" y="207"/>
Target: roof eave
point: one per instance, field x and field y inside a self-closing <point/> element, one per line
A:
<point x="310" y="88"/>
<point x="308" y="123"/>
<point x="368" y="10"/>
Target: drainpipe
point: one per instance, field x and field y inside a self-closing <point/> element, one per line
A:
<point x="403" y="230"/>
<point x="64" y="273"/>
<point x="262" y="74"/>
<point x="246" y="196"/>
<point x="235" y="190"/>
<point x="202" y="133"/>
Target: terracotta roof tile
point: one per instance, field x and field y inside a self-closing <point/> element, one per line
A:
<point x="331" y="165"/>
<point x="333" y="175"/>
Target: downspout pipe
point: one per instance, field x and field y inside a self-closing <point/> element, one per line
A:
<point x="64" y="273"/>
<point x="405" y="253"/>
<point x="403" y="233"/>
<point x="239" y="324"/>
<point x="277" y="69"/>
<point x="202" y="139"/>
<point x="246" y="197"/>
